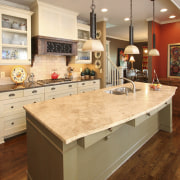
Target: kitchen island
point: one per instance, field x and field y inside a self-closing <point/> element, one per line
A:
<point x="88" y="136"/>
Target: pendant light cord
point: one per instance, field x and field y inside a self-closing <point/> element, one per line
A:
<point x="93" y="6"/>
<point x="131" y="12"/>
<point x="153" y="18"/>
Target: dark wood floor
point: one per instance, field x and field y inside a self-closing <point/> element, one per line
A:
<point x="158" y="159"/>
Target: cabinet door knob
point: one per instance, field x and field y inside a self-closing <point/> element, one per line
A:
<point x="53" y="88"/>
<point x="83" y="84"/>
<point x="34" y="101"/>
<point x="12" y="107"/>
<point x="12" y="123"/>
<point x="70" y="85"/>
<point x="94" y="81"/>
<point x="53" y="98"/>
<point x="148" y="114"/>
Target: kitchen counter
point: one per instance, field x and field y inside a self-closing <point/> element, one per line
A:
<point x="88" y="136"/>
<point x="14" y="87"/>
<point x="71" y="118"/>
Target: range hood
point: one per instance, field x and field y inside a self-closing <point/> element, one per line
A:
<point x="43" y="45"/>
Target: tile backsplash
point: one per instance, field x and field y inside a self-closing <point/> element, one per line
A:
<point x="45" y="64"/>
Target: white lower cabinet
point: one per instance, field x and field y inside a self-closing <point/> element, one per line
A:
<point x="12" y="114"/>
<point x="88" y="86"/>
<point x="13" y="118"/>
<point x="53" y="92"/>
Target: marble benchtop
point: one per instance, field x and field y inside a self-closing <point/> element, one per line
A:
<point x="77" y="116"/>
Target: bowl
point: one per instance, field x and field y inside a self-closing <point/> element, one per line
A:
<point x="155" y="87"/>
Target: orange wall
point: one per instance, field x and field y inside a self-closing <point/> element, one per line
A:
<point x="165" y="34"/>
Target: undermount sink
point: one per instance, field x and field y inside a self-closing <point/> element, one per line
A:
<point x="120" y="91"/>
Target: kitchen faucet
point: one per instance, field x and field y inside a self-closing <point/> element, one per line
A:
<point x="134" y="87"/>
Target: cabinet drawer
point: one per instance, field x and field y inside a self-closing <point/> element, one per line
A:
<point x="11" y="94"/>
<point x="62" y="94"/>
<point x="12" y="107"/>
<point x="34" y="91"/>
<point x="92" y="139"/>
<point x="60" y="87"/>
<point x="95" y="82"/>
<point x="14" y="124"/>
<point x="85" y="89"/>
<point x="84" y="83"/>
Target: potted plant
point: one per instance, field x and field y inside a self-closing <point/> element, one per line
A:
<point x="82" y="75"/>
<point x="92" y="74"/>
<point x="87" y="73"/>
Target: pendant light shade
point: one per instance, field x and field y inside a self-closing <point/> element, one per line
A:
<point x="93" y="44"/>
<point x="154" y="51"/>
<point x="131" y="49"/>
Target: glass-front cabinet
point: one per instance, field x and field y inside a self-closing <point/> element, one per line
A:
<point x="15" y="42"/>
<point x="83" y="57"/>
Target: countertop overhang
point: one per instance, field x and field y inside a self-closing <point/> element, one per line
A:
<point x="73" y="117"/>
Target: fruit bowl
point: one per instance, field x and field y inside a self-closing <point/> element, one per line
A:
<point x="155" y="87"/>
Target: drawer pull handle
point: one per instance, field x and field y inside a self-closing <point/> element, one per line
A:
<point x="83" y="92"/>
<point x="12" y="123"/>
<point x="12" y="107"/>
<point x="110" y="129"/>
<point x="10" y="95"/>
<point x="166" y="103"/>
<point x="70" y="85"/>
<point x="70" y="94"/>
<point x="35" y="102"/>
<point x="53" y="88"/>
<point x="53" y="98"/>
<point x="83" y="83"/>
<point x="148" y="114"/>
<point x="94" y="81"/>
<point x="35" y="91"/>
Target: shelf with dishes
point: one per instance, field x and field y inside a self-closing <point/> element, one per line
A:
<point x="15" y="28"/>
<point x="83" y="33"/>
<point x="14" y="31"/>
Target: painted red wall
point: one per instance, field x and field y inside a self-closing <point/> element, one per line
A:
<point x="165" y="34"/>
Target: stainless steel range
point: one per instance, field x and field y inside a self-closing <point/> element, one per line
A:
<point x="53" y="81"/>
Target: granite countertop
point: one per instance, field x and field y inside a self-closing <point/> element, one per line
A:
<point x="77" y="116"/>
<point x="14" y="87"/>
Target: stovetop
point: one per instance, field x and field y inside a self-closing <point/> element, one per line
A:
<point x="53" y="81"/>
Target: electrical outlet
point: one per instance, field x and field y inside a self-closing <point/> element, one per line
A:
<point x="2" y="74"/>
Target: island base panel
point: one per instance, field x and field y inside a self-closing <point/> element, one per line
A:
<point x="49" y="158"/>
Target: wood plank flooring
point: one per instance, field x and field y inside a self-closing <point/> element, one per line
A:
<point x="158" y="159"/>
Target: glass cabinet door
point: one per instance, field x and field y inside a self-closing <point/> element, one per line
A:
<point x="14" y="40"/>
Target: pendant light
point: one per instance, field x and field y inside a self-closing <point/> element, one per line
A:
<point x="93" y="44"/>
<point x="154" y="51"/>
<point x="131" y="49"/>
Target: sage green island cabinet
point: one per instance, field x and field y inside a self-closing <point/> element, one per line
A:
<point x="88" y="136"/>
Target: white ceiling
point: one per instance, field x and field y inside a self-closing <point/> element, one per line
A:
<point x="117" y="11"/>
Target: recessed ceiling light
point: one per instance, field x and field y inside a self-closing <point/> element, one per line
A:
<point x="172" y="16"/>
<point x="126" y="19"/>
<point x="163" y="10"/>
<point x="104" y="10"/>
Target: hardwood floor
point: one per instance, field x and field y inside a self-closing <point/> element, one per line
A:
<point x="158" y="159"/>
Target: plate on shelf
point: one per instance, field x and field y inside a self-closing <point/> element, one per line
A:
<point x="18" y="74"/>
<point x="98" y="34"/>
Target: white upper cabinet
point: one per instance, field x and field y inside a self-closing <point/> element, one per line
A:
<point x="83" y="34"/>
<point x="15" y="42"/>
<point x="53" y="21"/>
